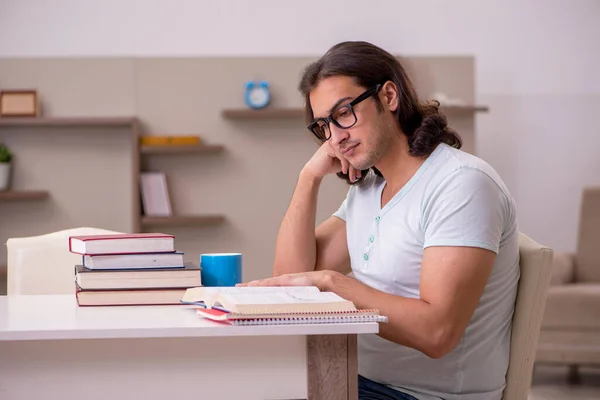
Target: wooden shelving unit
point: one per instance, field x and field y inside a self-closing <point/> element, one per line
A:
<point x="23" y="195"/>
<point x="68" y="121"/>
<point x="196" y="220"/>
<point x="273" y="113"/>
<point x="171" y="145"/>
<point x="81" y="125"/>
<point x="183" y="149"/>
<point x="130" y="125"/>
<point x="181" y="220"/>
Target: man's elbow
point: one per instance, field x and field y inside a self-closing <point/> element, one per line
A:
<point x="441" y="342"/>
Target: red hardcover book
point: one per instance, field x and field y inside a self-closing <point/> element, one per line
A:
<point x="122" y="243"/>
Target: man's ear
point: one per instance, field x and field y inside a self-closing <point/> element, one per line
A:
<point x="389" y="92"/>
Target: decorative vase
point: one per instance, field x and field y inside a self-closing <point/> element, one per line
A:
<point x="4" y="176"/>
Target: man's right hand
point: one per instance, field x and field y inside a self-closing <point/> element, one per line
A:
<point x="327" y="160"/>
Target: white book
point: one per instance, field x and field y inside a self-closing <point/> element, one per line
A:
<point x="276" y="305"/>
<point x="122" y="243"/>
<point x="205" y="295"/>
<point x="155" y="194"/>
<point x="134" y="261"/>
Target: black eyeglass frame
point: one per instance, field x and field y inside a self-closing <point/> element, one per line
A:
<point x="350" y="106"/>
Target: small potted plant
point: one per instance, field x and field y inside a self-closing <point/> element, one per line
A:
<point x="5" y="164"/>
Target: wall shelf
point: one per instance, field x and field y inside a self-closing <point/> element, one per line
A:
<point x="272" y="113"/>
<point x="463" y="109"/>
<point x="93" y="127"/>
<point x="23" y="195"/>
<point x="68" y="121"/>
<point x="248" y="113"/>
<point x="183" y="149"/>
<point x="182" y="220"/>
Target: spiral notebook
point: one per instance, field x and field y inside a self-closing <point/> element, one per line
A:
<point x="292" y="318"/>
<point x="277" y="305"/>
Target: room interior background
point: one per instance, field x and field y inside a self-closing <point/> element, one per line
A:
<point x="84" y="149"/>
<point x="538" y="80"/>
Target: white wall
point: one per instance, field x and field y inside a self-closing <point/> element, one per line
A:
<point x="537" y="64"/>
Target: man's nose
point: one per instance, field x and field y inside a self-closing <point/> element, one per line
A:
<point x="338" y="135"/>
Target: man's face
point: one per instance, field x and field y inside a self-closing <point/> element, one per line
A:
<point x="364" y="143"/>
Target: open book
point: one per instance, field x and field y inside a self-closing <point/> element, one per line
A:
<point x="281" y="304"/>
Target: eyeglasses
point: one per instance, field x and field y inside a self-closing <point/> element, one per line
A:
<point x="343" y="117"/>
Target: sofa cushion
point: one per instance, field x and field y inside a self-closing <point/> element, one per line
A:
<point x="587" y="266"/>
<point x="575" y="305"/>
<point x="569" y="346"/>
<point x="563" y="268"/>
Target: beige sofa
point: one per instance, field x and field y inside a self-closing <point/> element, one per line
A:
<point x="570" y="332"/>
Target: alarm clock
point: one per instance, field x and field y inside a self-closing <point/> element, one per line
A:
<point x="257" y="94"/>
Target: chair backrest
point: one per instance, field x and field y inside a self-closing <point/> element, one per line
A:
<point x="43" y="264"/>
<point x="536" y="271"/>
<point x="587" y="257"/>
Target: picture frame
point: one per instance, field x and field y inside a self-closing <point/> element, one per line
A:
<point x="19" y="103"/>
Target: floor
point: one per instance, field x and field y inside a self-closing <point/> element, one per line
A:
<point x="549" y="382"/>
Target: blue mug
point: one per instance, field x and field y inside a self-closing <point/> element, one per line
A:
<point x="221" y="269"/>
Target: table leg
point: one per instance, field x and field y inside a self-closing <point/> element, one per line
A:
<point x="332" y="367"/>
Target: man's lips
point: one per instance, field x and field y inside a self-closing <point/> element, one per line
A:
<point x="347" y="149"/>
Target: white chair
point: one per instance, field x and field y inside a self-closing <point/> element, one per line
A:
<point x="536" y="270"/>
<point x="43" y="264"/>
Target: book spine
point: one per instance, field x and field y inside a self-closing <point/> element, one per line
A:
<point x="131" y="236"/>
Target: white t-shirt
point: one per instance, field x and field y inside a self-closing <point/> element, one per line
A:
<point x="454" y="199"/>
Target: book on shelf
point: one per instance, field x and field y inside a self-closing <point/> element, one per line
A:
<point x="170" y="140"/>
<point x="276" y="305"/>
<point x="122" y="243"/>
<point x="184" y="277"/>
<point x="156" y="201"/>
<point x="133" y="261"/>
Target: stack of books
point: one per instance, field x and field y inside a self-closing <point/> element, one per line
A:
<point x="131" y="269"/>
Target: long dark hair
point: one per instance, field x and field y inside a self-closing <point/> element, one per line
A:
<point x="422" y="122"/>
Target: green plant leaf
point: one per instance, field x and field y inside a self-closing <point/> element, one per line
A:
<point x="5" y="154"/>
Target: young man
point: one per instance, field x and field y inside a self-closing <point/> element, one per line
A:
<point x="428" y="231"/>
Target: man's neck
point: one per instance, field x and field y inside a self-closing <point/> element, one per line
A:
<point x="398" y="166"/>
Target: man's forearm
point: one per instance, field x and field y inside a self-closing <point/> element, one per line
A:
<point x="412" y="322"/>
<point x="296" y="249"/>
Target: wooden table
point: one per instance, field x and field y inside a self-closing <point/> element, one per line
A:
<point x="51" y="348"/>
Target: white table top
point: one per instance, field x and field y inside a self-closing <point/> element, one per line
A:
<point x="49" y="317"/>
